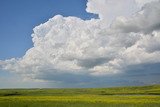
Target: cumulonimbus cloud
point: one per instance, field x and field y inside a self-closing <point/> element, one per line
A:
<point x="74" y="47"/>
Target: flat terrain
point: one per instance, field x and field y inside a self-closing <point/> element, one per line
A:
<point x="146" y="96"/>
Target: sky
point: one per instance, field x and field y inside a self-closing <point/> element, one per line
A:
<point x="79" y="43"/>
<point x="19" y="17"/>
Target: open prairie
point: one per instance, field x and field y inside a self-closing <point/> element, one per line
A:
<point x="146" y="96"/>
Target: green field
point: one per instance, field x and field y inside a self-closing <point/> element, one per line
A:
<point x="146" y="96"/>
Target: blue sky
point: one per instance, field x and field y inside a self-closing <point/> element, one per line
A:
<point x="19" y="17"/>
<point x="79" y="43"/>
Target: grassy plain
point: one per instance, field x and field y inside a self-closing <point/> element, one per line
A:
<point x="146" y="96"/>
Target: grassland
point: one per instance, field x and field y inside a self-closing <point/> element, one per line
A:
<point x="146" y="96"/>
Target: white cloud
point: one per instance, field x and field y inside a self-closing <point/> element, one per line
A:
<point x="66" y="48"/>
<point x="143" y="2"/>
<point x="108" y="10"/>
<point x="145" y="21"/>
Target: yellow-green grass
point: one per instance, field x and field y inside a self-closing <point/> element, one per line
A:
<point x="147" y="96"/>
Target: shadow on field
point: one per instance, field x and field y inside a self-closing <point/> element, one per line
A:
<point x="12" y="94"/>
